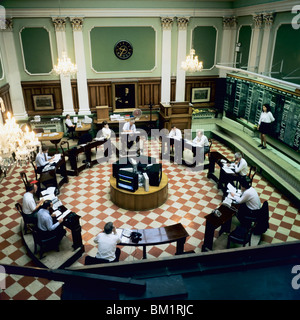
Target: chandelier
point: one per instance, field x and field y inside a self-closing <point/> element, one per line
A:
<point x="16" y="145"/>
<point x="191" y="63"/>
<point x="65" y="67"/>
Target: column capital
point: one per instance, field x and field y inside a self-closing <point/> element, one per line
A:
<point x="8" y="25"/>
<point x="229" y="22"/>
<point x="59" y="23"/>
<point x="167" y="22"/>
<point x="182" y="22"/>
<point x="257" y="20"/>
<point x="268" y="19"/>
<point x="77" y="23"/>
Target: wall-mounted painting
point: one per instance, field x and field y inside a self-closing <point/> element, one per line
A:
<point x="200" y="95"/>
<point x="124" y="96"/>
<point x="42" y="102"/>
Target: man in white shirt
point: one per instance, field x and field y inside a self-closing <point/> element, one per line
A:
<point x="70" y="126"/>
<point x="241" y="166"/>
<point x="201" y="141"/>
<point x="175" y="136"/>
<point x="249" y="200"/>
<point x="175" y="133"/>
<point x="129" y="128"/>
<point x="106" y="133"/>
<point x="107" y="244"/>
<point x="30" y="207"/>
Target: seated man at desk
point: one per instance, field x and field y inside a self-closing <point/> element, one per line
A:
<point x="239" y="170"/>
<point x="249" y="200"/>
<point x="45" y="222"/>
<point x="107" y="246"/>
<point x="201" y="141"/>
<point x="176" y="142"/>
<point x="42" y="159"/>
<point x="70" y="126"/>
<point x="130" y="128"/>
<point x="30" y="207"/>
<point x="106" y="133"/>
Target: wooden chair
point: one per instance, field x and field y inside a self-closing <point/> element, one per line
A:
<point x="241" y="235"/>
<point x="38" y="130"/>
<point x="70" y="132"/>
<point x="45" y="244"/>
<point x="251" y="174"/>
<point x="26" y="219"/>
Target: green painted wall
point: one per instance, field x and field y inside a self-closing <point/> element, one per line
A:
<point x="205" y="35"/>
<point x="104" y="39"/>
<point x="287" y="48"/>
<point x="112" y="66"/>
<point x="18" y="26"/>
<point x="36" y="50"/>
<point x="244" y="39"/>
<point x="204" y="40"/>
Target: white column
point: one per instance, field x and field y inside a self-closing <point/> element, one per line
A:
<point x="181" y="55"/>
<point x="265" y="54"/>
<point x="228" y="44"/>
<point x="166" y="60"/>
<point x="255" y="46"/>
<point x="65" y="81"/>
<point x="81" y="67"/>
<point x="12" y="72"/>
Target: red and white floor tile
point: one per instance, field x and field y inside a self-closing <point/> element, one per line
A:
<point x="191" y="197"/>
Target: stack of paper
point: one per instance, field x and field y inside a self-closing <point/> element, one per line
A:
<point x="57" y="157"/>
<point x="48" y="191"/>
<point x="227" y="170"/>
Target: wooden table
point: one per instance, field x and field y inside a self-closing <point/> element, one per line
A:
<point x="213" y="222"/>
<point x="157" y="236"/>
<point x="55" y="139"/>
<point x="85" y="127"/>
<point x="139" y="200"/>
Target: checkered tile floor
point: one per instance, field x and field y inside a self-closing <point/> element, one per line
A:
<point x="191" y="197"/>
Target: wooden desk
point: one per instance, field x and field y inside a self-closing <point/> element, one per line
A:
<point x="214" y="157"/>
<point x="143" y="122"/>
<point x="139" y="200"/>
<point x="71" y="221"/>
<point x="55" y="139"/>
<point x="213" y="222"/>
<point x="157" y="236"/>
<point x="74" y="152"/>
<point x="85" y="127"/>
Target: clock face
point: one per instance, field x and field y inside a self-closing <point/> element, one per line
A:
<point x="123" y="50"/>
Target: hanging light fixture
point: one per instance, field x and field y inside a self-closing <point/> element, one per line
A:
<point x="191" y="63"/>
<point x="16" y="145"/>
<point x="64" y="65"/>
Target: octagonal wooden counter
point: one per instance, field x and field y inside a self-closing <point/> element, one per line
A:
<point x="140" y="200"/>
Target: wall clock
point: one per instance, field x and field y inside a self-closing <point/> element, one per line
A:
<point x="123" y="50"/>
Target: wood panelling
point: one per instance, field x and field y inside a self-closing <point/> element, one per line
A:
<point x="4" y="94"/>
<point x="100" y="93"/>
<point x="199" y="82"/>
<point x="42" y="87"/>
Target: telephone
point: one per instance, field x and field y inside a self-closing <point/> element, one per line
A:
<point x="135" y="237"/>
<point x="217" y="213"/>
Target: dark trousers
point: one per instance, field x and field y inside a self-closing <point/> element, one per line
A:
<point x="59" y="232"/>
<point x="93" y="260"/>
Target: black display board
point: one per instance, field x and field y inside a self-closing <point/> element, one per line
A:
<point x="244" y="98"/>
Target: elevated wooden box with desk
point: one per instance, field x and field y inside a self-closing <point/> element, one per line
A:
<point x="176" y="113"/>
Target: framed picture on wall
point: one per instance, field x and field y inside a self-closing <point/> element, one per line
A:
<point x="200" y="95"/>
<point x="42" y="102"/>
<point x="124" y="96"/>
